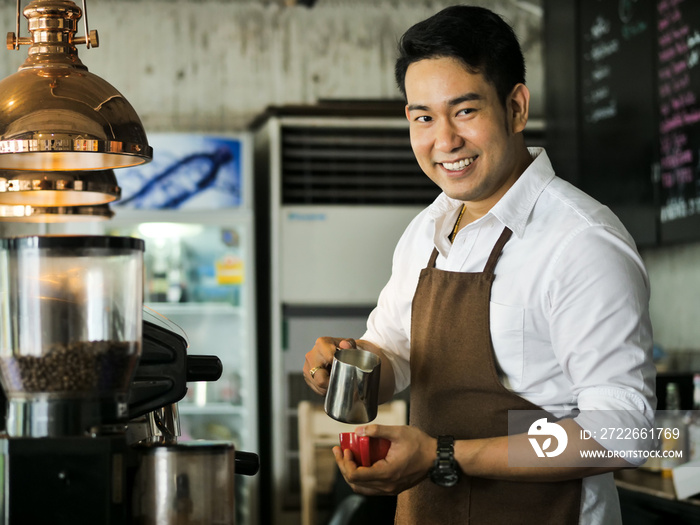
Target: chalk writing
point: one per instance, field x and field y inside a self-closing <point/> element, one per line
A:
<point x="600" y="28"/>
<point x="617" y="118"/>
<point x="609" y="33"/>
<point x="679" y="136"/>
<point x="599" y="94"/>
<point x="679" y="208"/>
<point x="632" y="30"/>
<point x="604" y="112"/>
<point x="601" y="72"/>
<point x="694" y="39"/>
<point x="693" y="59"/>
<point x="599" y="101"/>
<point x="605" y="49"/>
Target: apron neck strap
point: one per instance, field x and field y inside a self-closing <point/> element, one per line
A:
<point x="433" y="258"/>
<point x="496" y="252"/>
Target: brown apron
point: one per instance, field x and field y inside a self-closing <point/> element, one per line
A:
<point x="455" y="390"/>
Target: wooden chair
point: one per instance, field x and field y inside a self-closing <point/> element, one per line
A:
<point x="318" y="433"/>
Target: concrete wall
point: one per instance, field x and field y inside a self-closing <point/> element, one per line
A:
<point x="213" y="65"/>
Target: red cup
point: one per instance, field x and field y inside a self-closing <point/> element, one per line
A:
<point x="365" y="450"/>
<point x="348" y="440"/>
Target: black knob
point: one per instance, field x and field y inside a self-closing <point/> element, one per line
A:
<point x="203" y="368"/>
<point x="246" y="463"/>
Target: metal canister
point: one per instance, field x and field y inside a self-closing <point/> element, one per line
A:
<point x="353" y="387"/>
<point x="190" y="483"/>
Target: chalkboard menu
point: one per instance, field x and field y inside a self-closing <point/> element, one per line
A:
<point x="678" y="84"/>
<point x="617" y="111"/>
<point x="628" y="121"/>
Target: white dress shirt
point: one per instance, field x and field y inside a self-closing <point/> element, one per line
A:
<point x="569" y="304"/>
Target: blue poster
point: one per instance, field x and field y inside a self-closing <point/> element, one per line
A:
<point x="188" y="171"/>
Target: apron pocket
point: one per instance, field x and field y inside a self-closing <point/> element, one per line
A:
<point x="507" y="336"/>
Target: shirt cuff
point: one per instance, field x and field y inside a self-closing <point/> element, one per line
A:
<point x="619" y="420"/>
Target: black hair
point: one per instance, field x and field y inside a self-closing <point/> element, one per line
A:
<point x="475" y="36"/>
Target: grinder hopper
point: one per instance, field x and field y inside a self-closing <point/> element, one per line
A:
<point x="70" y="333"/>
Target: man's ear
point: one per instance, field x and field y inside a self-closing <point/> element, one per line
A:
<point x="519" y="107"/>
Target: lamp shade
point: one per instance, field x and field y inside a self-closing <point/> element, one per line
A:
<point x="55" y="114"/>
<point x="37" y="214"/>
<point x="58" y="188"/>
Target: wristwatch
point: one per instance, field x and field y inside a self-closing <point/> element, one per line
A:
<point x="445" y="471"/>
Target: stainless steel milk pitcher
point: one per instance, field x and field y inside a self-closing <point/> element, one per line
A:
<point x="353" y="388"/>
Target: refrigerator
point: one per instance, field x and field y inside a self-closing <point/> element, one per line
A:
<point x="192" y="206"/>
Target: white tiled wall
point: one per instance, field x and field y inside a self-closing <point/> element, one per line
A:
<point x="674" y="273"/>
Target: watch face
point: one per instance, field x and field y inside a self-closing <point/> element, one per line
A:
<point x="444" y="475"/>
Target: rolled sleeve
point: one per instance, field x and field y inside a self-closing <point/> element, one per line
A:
<point x="601" y="332"/>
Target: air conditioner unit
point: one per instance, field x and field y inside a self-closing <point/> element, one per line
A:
<point x="342" y="192"/>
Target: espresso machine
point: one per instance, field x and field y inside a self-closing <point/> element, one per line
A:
<point x="91" y="424"/>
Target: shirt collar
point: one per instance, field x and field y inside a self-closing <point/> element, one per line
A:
<point x="515" y="206"/>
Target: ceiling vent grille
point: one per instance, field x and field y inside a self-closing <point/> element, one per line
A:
<point x="360" y="165"/>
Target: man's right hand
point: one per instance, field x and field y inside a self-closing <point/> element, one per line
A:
<point x="317" y="365"/>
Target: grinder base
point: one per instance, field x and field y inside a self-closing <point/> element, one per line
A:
<point x="64" y="481"/>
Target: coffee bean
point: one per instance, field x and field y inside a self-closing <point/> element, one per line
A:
<point x="82" y="366"/>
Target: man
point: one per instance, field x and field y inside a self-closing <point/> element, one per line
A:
<point x="512" y="291"/>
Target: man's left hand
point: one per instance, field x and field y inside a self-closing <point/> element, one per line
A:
<point x="410" y="457"/>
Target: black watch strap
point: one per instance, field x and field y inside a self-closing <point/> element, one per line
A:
<point x="445" y="471"/>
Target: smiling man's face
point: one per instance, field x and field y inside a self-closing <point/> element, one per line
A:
<point x="462" y="136"/>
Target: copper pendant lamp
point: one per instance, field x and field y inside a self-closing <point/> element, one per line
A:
<point x="54" y="114"/>
<point x="54" y="214"/>
<point x="58" y="188"/>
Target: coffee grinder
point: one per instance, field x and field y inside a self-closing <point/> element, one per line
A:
<point x="71" y="313"/>
<point x="81" y="372"/>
